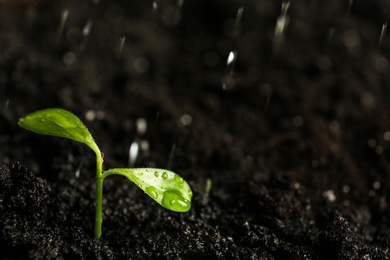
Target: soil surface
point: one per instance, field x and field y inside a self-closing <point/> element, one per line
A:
<point x="289" y="124"/>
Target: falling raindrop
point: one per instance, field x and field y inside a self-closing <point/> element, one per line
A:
<point x="155" y="6"/>
<point x="87" y="29"/>
<point x="207" y="191"/>
<point x="120" y="47"/>
<point x="90" y="115"/>
<point x="185" y="120"/>
<point x="64" y="17"/>
<point x="267" y="103"/>
<point x="133" y="153"/>
<point x="6" y="106"/>
<point x="77" y="173"/>
<point x="329" y="195"/>
<point x="281" y="24"/>
<point x="228" y="81"/>
<point x="382" y="36"/>
<point x="237" y="22"/>
<point x="231" y="58"/>
<point x="349" y="9"/>
<point x="232" y="26"/>
<point x="141" y="125"/>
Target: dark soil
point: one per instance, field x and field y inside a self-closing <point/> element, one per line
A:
<point x="296" y="143"/>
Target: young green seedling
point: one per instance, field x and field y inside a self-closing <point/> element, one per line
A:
<point x="167" y="188"/>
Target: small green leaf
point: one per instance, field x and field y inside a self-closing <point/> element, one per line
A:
<point x="167" y="188"/>
<point x="58" y="122"/>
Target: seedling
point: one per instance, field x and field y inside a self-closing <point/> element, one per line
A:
<point x="167" y="188"/>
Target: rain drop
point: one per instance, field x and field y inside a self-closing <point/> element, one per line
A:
<point x="141" y="125"/>
<point x="87" y="28"/>
<point x="185" y="120"/>
<point x="174" y="201"/>
<point x="120" y="46"/>
<point x="178" y="179"/>
<point x="64" y="17"/>
<point x="228" y="81"/>
<point x="164" y="175"/>
<point x="133" y="153"/>
<point x="349" y="9"/>
<point x="329" y="195"/>
<point x="281" y="24"/>
<point x="90" y="115"/>
<point x="382" y="36"/>
<point x="152" y="192"/>
<point x="231" y="58"/>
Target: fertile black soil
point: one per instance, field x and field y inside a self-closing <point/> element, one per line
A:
<point x="293" y="135"/>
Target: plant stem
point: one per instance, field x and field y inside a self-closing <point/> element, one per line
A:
<point x="99" y="195"/>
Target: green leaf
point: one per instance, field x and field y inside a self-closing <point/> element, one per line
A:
<point x="58" y="122"/>
<point x="167" y="188"/>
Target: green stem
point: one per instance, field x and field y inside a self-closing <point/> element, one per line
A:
<point x="99" y="195"/>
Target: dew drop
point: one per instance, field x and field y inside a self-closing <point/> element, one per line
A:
<point x="178" y="179"/>
<point x="164" y="175"/>
<point x="178" y="203"/>
<point x="172" y="200"/>
<point x="156" y="174"/>
<point x="138" y="183"/>
<point x="152" y="192"/>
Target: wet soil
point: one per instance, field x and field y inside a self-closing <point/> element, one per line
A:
<point x="293" y="135"/>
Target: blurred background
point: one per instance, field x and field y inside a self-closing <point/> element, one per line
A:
<point x="295" y="94"/>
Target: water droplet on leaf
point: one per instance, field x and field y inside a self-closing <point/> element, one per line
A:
<point x="152" y="192"/>
<point x="178" y="179"/>
<point x="173" y="200"/>
<point x="164" y="175"/>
